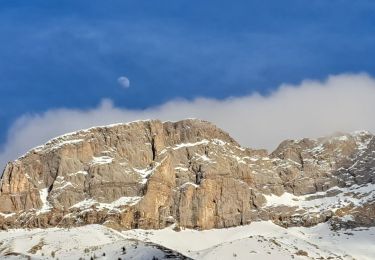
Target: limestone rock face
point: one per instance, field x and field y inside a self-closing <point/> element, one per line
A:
<point x="150" y="174"/>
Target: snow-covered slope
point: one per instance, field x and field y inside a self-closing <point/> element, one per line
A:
<point x="94" y="241"/>
<point x="265" y="240"/>
<point x="259" y="240"/>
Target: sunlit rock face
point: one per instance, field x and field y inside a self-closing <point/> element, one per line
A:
<point x="151" y="174"/>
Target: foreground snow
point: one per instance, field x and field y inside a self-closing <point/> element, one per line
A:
<point x="265" y="240"/>
<point x="85" y="242"/>
<point x="260" y="240"/>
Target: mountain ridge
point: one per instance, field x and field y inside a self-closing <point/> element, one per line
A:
<point x="150" y="174"/>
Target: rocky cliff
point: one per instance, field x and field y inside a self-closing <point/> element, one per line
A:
<point x="150" y="174"/>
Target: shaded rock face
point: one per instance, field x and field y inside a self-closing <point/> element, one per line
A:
<point x="150" y="174"/>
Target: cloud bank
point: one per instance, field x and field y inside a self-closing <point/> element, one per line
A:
<point x="313" y="108"/>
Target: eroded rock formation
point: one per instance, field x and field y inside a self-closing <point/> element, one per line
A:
<point x="150" y="174"/>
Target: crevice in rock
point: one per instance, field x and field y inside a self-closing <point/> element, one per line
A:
<point x="152" y="141"/>
<point x="153" y="148"/>
<point x="206" y="150"/>
<point x="144" y="188"/>
<point x="301" y="160"/>
<point x="241" y="214"/>
<point x="137" y="218"/>
<point x="178" y="208"/>
<point x="188" y="155"/>
<point x="198" y="175"/>
<point x="50" y="187"/>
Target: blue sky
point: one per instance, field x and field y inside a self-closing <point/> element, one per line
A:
<point x="69" y="54"/>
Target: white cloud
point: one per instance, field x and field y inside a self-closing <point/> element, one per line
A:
<point x="310" y="109"/>
<point x="124" y="82"/>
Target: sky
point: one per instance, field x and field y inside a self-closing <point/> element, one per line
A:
<point x="99" y="62"/>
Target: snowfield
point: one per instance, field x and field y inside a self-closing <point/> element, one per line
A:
<point x="259" y="240"/>
<point x="265" y="240"/>
<point x="87" y="242"/>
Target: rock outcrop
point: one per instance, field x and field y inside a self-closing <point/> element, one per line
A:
<point x="150" y="174"/>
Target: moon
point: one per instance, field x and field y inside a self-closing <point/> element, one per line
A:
<point x="124" y="81"/>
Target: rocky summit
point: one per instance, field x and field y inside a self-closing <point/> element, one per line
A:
<point x="151" y="174"/>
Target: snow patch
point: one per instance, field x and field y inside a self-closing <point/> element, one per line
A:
<point x="145" y="173"/>
<point x="77" y="173"/>
<point x="218" y="142"/>
<point x="347" y="218"/>
<point x="7" y="215"/>
<point x="187" y="184"/>
<point x="46" y="207"/>
<point x="342" y="138"/>
<point x="205" y="158"/>
<point x="123" y="201"/>
<point x="65" y="185"/>
<point x="182" y="169"/>
<point x="101" y="160"/>
<point x="182" y="145"/>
